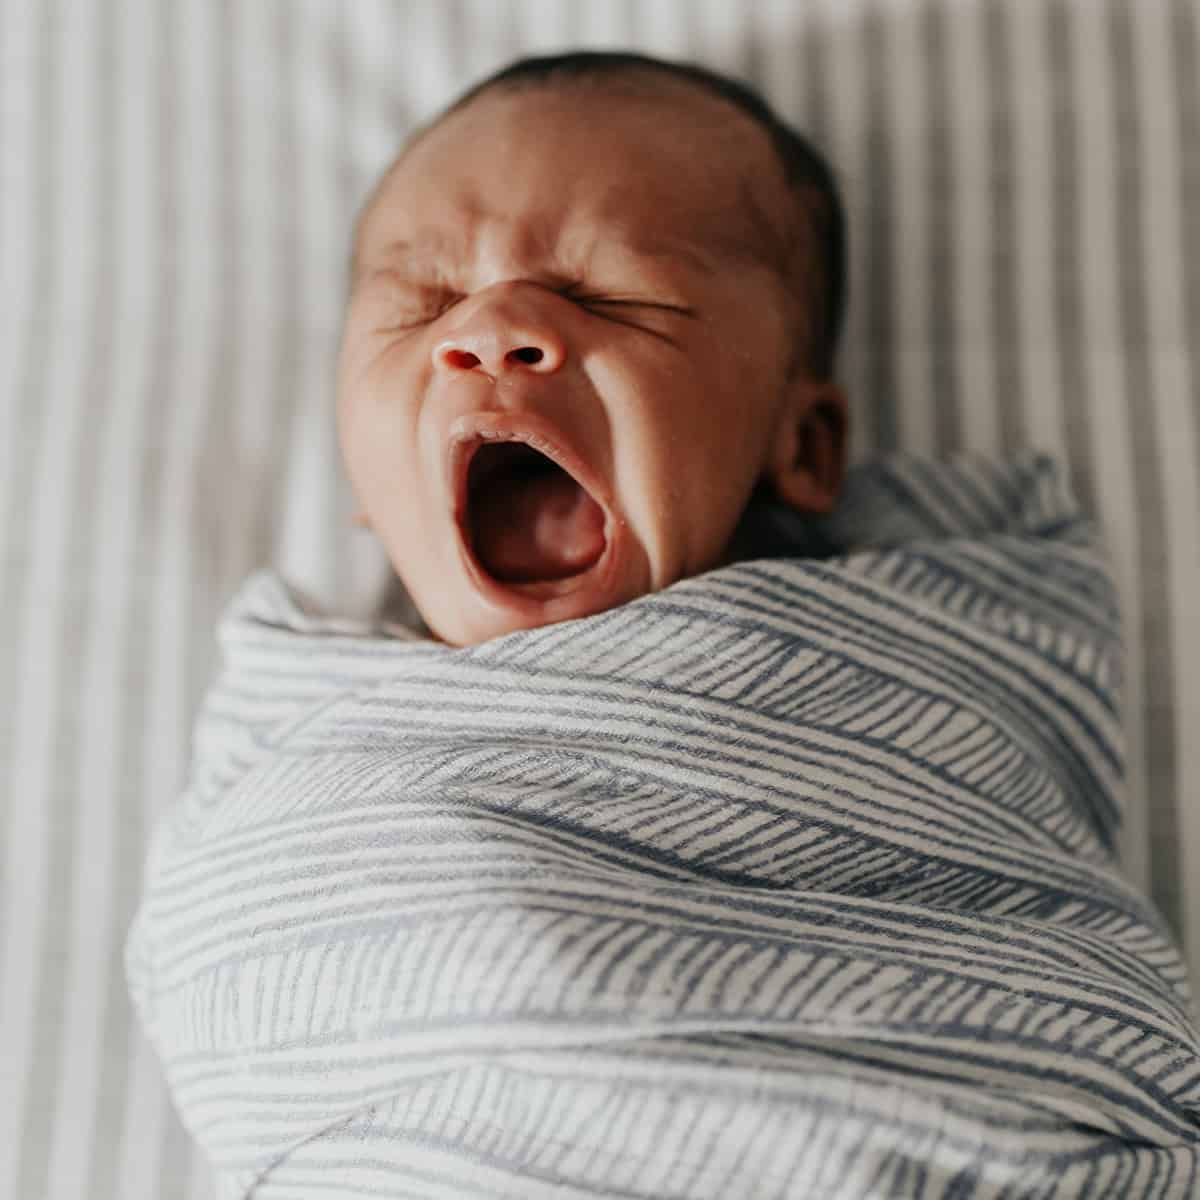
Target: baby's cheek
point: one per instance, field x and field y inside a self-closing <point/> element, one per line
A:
<point x="682" y="463"/>
<point x="691" y="507"/>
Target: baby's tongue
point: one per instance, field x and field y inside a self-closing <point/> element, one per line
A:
<point x="529" y="526"/>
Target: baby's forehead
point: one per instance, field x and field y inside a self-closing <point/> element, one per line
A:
<point x="727" y="196"/>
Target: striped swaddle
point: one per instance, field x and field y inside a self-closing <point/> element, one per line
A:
<point x="794" y="879"/>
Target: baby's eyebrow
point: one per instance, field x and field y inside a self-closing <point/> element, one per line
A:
<point x="421" y="254"/>
<point x="674" y="251"/>
<point x="426" y="248"/>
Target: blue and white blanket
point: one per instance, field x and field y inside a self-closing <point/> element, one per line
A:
<point x="792" y="880"/>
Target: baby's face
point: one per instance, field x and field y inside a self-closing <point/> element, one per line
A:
<point x="565" y="362"/>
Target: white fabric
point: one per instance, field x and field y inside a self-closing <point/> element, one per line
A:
<point x="803" y="864"/>
<point x="177" y="185"/>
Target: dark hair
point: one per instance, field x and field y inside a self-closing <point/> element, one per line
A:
<point x="804" y="168"/>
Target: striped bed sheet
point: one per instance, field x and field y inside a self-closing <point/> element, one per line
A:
<point x="792" y="879"/>
<point x="179" y="181"/>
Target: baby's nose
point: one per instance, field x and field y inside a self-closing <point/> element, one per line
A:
<point x="502" y="335"/>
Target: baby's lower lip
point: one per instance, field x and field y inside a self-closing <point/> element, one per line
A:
<point x="539" y="602"/>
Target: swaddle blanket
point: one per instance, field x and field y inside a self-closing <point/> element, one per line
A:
<point x="794" y="879"/>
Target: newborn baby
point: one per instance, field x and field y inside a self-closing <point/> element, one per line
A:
<point x="797" y="879"/>
<point x="593" y="312"/>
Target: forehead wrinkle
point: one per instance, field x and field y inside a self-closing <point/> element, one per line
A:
<point x="429" y="242"/>
<point x="560" y="253"/>
<point x="393" y="258"/>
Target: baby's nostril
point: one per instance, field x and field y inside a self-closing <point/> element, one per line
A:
<point x="526" y="354"/>
<point x="463" y="359"/>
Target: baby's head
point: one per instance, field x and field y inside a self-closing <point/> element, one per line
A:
<point x="593" y="309"/>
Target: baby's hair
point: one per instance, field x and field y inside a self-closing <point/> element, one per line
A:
<point x="804" y="168"/>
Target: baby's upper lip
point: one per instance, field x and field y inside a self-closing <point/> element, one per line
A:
<point x="470" y="431"/>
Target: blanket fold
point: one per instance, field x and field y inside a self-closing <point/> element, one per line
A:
<point x="793" y="879"/>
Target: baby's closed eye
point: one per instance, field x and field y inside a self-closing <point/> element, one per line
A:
<point x="638" y="311"/>
<point x="597" y="300"/>
<point x="408" y="306"/>
<point x="401" y="303"/>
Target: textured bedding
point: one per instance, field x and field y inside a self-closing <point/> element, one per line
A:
<point x="794" y="879"/>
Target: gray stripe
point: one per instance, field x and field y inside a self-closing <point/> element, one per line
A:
<point x="1002" y="259"/>
<point x="32" y="387"/>
<point x="128" y="837"/>
<point x="33" y="345"/>
<point x="817" y="128"/>
<point x="683" y="48"/>
<point x="391" y="96"/>
<point x="752" y="51"/>
<point x="1158" y="732"/>
<point x="286" y="190"/>
<point x="225" y="553"/>
<point x="1183" y="36"/>
<point x="940" y="198"/>
<point x="220" y="448"/>
<point x="160" y="394"/>
<point x="343" y="102"/>
<point x="458" y="34"/>
<point x="512" y="44"/>
<point x="1064" y="174"/>
<point x="438" y="24"/>
<point x="77" y="573"/>
<point x="573" y="24"/>
<point x="626" y="21"/>
<point x="880" y="187"/>
<point x="815" y="87"/>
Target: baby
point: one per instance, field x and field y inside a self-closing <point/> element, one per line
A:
<point x="636" y="905"/>
<point x="593" y="313"/>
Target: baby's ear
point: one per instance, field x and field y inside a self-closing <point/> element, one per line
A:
<point x="808" y="455"/>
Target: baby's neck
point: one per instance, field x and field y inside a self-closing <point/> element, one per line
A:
<point x="769" y="528"/>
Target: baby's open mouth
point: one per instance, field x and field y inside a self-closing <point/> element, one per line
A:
<point x="527" y="519"/>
